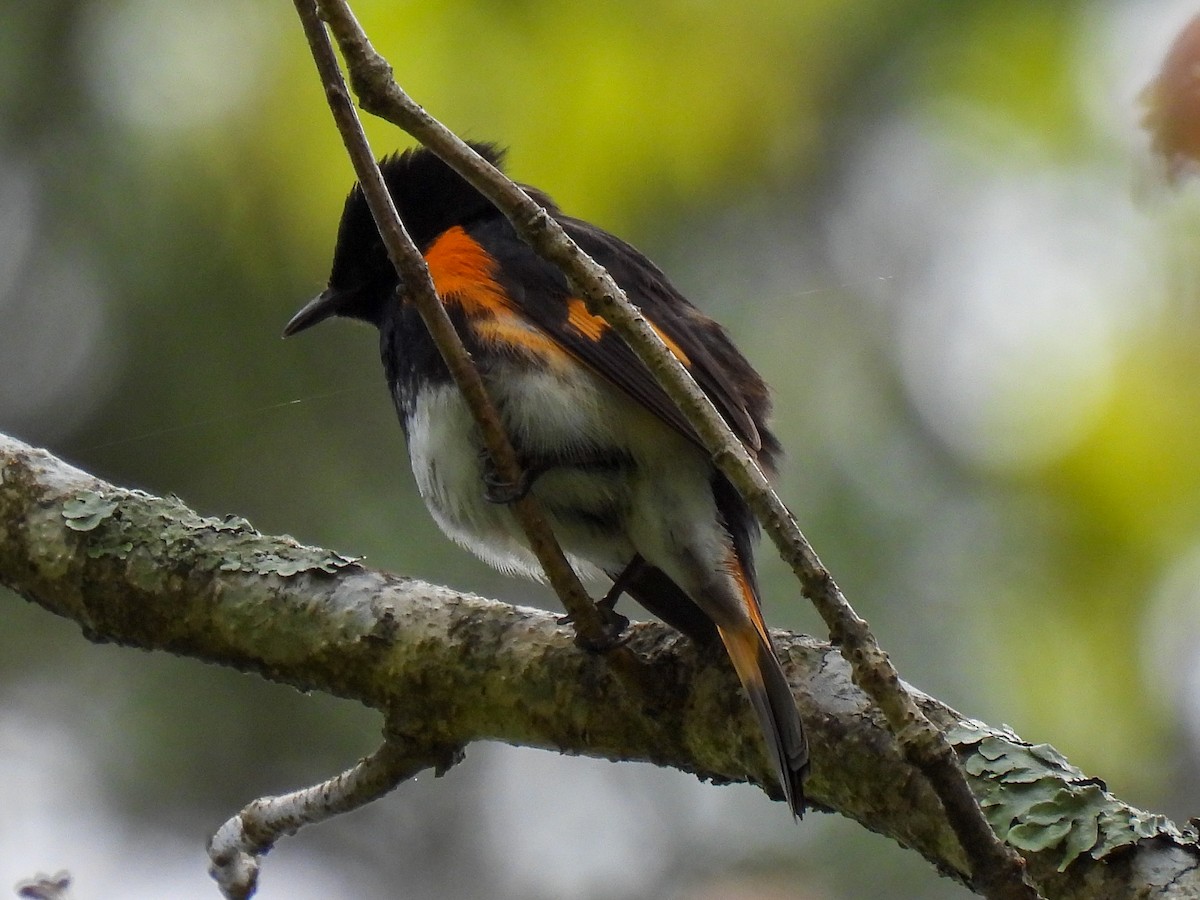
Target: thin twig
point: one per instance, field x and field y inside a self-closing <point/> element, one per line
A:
<point x="419" y="290"/>
<point x="239" y="844"/>
<point x="998" y="871"/>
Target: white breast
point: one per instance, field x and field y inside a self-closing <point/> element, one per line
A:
<point x="654" y="503"/>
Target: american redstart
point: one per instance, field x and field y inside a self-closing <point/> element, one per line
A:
<point x="628" y="488"/>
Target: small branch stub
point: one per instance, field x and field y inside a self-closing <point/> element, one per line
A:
<point x="239" y="844"/>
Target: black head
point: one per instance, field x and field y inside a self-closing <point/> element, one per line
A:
<point x="430" y="198"/>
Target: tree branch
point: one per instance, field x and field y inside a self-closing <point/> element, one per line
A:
<point x="448" y="669"/>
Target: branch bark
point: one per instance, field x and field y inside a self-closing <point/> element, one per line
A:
<point x="448" y="668"/>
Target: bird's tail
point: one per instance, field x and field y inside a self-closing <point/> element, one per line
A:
<point x="749" y="647"/>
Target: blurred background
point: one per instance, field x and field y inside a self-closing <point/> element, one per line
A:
<point x="936" y="228"/>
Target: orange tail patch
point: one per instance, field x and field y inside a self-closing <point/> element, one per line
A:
<point x="766" y="686"/>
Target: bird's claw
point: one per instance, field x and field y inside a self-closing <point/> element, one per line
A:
<point x="613" y="634"/>
<point x="504" y="492"/>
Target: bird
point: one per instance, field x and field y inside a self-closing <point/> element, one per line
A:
<point x="624" y="480"/>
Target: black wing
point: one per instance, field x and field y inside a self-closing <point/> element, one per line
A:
<point x="731" y="383"/>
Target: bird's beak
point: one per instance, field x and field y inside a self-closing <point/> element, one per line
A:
<point x="318" y="309"/>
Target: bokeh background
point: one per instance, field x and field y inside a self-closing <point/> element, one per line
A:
<point x="935" y="227"/>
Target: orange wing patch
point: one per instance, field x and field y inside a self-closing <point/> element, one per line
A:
<point x="593" y="327"/>
<point x="675" y="349"/>
<point x="462" y="273"/>
<point x="578" y="317"/>
<point x="511" y="330"/>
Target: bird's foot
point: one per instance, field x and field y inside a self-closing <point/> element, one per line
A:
<point x="613" y="630"/>
<point x="504" y="492"/>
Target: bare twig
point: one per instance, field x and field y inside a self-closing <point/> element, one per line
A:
<point x="237" y="846"/>
<point x="998" y="870"/>
<point x="587" y="618"/>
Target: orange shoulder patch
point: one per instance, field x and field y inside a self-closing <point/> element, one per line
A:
<point x="462" y="272"/>
<point x="463" y="275"/>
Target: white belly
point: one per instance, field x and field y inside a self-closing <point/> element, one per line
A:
<point x="601" y="517"/>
